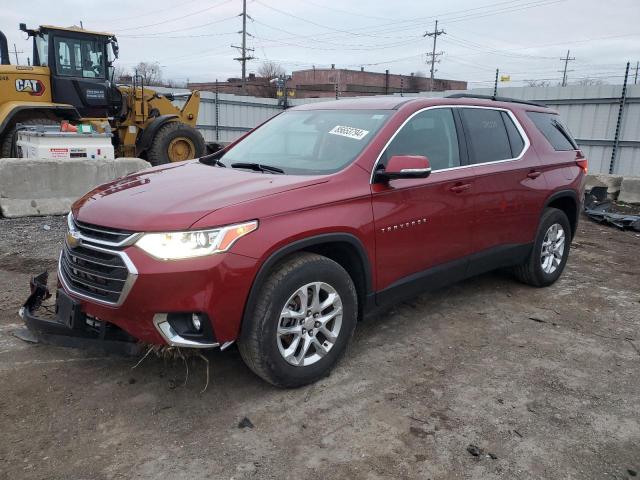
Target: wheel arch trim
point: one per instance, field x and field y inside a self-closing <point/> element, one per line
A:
<point x="146" y="138"/>
<point x="301" y="245"/>
<point x="570" y="194"/>
<point x="67" y="111"/>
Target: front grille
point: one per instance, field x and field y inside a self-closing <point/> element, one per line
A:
<point x="97" y="274"/>
<point x="101" y="234"/>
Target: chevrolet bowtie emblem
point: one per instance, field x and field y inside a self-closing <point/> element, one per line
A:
<point x="73" y="239"/>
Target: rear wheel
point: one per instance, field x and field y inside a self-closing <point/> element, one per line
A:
<point x="550" y="250"/>
<point x="175" y="142"/>
<point x="304" y="317"/>
<point x="7" y="149"/>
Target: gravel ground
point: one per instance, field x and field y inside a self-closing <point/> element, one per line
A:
<point x="485" y="379"/>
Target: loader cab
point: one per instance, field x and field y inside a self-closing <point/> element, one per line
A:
<point x="80" y="63"/>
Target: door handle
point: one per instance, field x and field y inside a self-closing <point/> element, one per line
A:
<point x="459" y="188"/>
<point x="534" y="174"/>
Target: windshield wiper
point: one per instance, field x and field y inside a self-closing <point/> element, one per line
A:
<point x="258" y="167"/>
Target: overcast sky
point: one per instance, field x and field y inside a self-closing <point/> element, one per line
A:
<point x="191" y="39"/>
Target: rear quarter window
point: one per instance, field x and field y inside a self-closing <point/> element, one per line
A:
<point x="553" y="130"/>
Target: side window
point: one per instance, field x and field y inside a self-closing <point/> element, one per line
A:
<point x="515" y="139"/>
<point x="550" y="126"/>
<point x="432" y="134"/>
<point x="487" y="134"/>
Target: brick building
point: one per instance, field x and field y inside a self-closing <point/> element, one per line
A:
<point x="323" y="82"/>
<point x="255" y="86"/>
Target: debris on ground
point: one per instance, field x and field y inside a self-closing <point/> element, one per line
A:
<point x="167" y="352"/>
<point x="477" y="452"/>
<point x="474" y="450"/>
<point x="245" y="423"/>
<point x="602" y="210"/>
<point x="420" y="432"/>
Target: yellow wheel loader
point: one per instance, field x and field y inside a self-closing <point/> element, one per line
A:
<point x="72" y="79"/>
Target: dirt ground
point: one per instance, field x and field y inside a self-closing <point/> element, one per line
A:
<point x="547" y="381"/>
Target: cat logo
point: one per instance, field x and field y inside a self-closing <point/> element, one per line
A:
<point x="30" y="86"/>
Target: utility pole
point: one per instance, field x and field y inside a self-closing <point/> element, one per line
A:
<point x="243" y="49"/>
<point x="635" y="80"/>
<point x="16" y="52"/>
<point x="435" y="34"/>
<point x="495" y="85"/>
<point x="566" y="61"/>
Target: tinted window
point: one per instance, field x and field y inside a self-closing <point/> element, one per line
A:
<point x="432" y="134"/>
<point x="309" y="142"/>
<point x="515" y="139"/>
<point x="487" y="134"/>
<point x="553" y="130"/>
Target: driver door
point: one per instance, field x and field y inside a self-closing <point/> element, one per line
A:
<point x="423" y="226"/>
<point x="78" y="74"/>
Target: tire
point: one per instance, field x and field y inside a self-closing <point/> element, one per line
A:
<point x="185" y="141"/>
<point x="534" y="271"/>
<point x="7" y="140"/>
<point x="262" y="344"/>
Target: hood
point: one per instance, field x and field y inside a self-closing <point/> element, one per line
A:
<point x="175" y="196"/>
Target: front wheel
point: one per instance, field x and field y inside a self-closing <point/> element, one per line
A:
<point x="304" y="317"/>
<point x="550" y="250"/>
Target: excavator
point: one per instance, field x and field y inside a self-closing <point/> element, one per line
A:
<point x="71" y="79"/>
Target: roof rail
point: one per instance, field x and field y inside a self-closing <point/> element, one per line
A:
<point x="496" y="99"/>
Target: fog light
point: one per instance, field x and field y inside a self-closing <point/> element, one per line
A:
<point x="195" y="321"/>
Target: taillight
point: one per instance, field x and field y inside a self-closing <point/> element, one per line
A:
<point x="582" y="161"/>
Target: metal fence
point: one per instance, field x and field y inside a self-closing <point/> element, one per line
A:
<point x="596" y="116"/>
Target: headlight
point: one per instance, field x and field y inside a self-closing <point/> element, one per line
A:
<point x="197" y="243"/>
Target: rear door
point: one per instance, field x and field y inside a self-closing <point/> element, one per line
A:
<point x="424" y="223"/>
<point x="508" y="185"/>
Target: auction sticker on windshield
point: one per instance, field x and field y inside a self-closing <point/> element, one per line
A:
<point x="349" y="132"/>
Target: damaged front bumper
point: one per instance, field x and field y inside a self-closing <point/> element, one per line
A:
<point x="66" y="325"/>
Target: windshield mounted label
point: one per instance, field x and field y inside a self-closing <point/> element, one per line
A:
<point x="349" y="132"/>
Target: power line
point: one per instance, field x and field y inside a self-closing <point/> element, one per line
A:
<point x="161" y="35"/>
<point x="566" y="60"/>
<point x="174" y="19"/>
<point x="435" y="34"/>
<point x="153" y="12"/>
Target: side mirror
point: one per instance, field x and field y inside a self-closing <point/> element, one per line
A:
<point x="404" y="166"/>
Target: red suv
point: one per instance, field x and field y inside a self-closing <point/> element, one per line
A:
<point x="286" y="238"/>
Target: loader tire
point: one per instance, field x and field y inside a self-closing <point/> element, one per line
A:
<point x="175" y="142"/>
<point x="6" y="146"/>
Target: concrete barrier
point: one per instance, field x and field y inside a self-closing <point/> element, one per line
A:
<point x="630" y="190"/>
<point x="30" y="187"/>
<point x="612" y="182"/>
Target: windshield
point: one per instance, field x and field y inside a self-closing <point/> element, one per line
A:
<point x="80" y="58"/>
<point x="309" y="142"/>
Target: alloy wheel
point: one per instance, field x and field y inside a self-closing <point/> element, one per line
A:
<point x="309" y="324"/>
<point x="552" y="248"/>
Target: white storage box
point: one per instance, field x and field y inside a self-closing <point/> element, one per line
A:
<point x="48" y="144"/>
